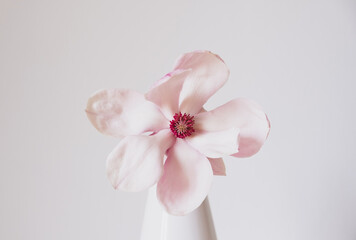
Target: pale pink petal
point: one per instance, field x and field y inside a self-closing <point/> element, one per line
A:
<point x="208" y="74"/>
<point x="240" y="113"/>
<point x="165" y="78"/>
<point x="166" y="93"/>
<point x="119" y="113"/>
<point x="137" y="162"/>
<point x="218" y="166"/>
<point x="186" y="179"/>
<point x="215" y="144"/>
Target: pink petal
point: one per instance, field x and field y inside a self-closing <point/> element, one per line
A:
<point x="166" y="92"/>
<point x="208" y="74"/>
<point x="165" y="78"/>
<point x="137" y="162"/>
<point x="186" y="179"/>
<point x="119" y="113"/>
<point x="243" y="114"/>
<point x="218" y="166"/>
<point x="215" y="144"/>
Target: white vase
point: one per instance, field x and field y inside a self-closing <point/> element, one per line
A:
<point x="159" y="225"/>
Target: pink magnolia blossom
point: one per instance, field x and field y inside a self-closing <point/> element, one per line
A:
<point x="169" y="139"/>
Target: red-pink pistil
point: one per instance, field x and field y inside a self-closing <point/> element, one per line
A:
<point x="182" y="125"/>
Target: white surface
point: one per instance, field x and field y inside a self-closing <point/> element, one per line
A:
<point x="158" y="224"/>
<point x="297" y="58"/>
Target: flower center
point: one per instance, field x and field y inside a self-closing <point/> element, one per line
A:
<point x="182" y="125"/>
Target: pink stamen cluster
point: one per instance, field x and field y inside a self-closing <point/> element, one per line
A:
<point x="182" y="125"/>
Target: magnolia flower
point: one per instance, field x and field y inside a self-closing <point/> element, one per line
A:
<point x="169" y="139"/>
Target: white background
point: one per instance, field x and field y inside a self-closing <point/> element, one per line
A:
<point x="296" y="58"/>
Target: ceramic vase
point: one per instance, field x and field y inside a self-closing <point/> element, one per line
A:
<point x="159" y="225"/>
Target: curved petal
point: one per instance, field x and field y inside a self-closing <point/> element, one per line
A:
<point x="218" y="166"/>
<point x="186" y="179"/>
<point x="137" y="162"/>
<point x="165" y="78"/>
<point x="120" y="113"/>
<point x="215" y="144"/>
<point x="166" y="93"/>
<point x="209" y="73"/>
<point x="243" y="114"/>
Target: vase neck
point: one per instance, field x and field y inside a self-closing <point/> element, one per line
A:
<point x="159" y="225"/>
